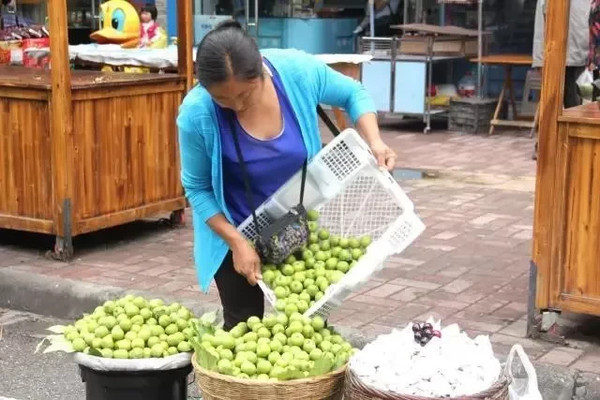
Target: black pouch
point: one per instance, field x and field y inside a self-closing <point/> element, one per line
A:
<point x="286" y="235"/>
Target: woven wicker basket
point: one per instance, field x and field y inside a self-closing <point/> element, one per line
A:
<point x="214" y="386"/>
<point x="355" y="389"/>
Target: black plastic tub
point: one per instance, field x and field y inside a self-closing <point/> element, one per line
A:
<point x="136" y="385"/>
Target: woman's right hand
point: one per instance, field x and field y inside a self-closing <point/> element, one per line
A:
<point x="246" y="262"/>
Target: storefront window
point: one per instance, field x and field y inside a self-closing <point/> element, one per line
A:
<point x="33" y="11"/>
<point x="23" y="13"/>
<point x="81" y="14"/>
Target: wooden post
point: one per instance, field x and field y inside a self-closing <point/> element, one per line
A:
<point x="61" y="129"/>
<point x="545" y="235"/>
<point x="185" y="41"/>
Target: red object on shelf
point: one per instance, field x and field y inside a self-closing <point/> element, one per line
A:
<point x="432" y="91"/>
<point x="467" y="86"/>
<point x="10" y="51"/>
<point x="35" y="62"/>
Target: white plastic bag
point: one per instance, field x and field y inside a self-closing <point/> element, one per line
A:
<point x="585" y="83"/>
<point x="143" y="364"/>
<point x="522" y="388"/>
<point x="586" y="78"/>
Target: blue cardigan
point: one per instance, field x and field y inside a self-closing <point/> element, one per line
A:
<point x="307" y="82"/>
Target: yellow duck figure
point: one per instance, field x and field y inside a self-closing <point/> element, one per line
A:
<point x="119" y="24"/>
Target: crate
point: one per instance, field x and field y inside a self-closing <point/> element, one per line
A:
<point x="354" y="198"/>
<point x="471" y="115"/>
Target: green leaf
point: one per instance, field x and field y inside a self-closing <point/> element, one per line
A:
<point x="322" y="366"/>
<point x="59" y="343"/>
<point x="200" y="330"/>
<point x="94" y="352"/>
<point x="57" y="329"/>
<point x="195" y="343"/>
<point x="160" y="311"/>
<point x="291" y="373"/>
<point x="208" y="319"/>
<point x="340" y="359"/>
<point x="206" y="360"/>
<point x="40" y="344"/>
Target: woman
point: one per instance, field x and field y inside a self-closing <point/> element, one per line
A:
<point x="270" y="100"/>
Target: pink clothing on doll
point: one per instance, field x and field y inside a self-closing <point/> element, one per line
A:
<point x="149" y="33"/>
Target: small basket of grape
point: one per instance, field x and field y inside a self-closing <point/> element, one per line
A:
<point x="425" y="361"/>
<point x="424" y="332"/>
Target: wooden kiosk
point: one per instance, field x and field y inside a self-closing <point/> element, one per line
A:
<point x="565" y="269"/>
<point x="81" y="151"/>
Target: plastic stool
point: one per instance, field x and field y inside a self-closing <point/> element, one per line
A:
<point x="533" y="82"/>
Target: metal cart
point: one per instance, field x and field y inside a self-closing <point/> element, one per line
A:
<point x="391" y="73"/>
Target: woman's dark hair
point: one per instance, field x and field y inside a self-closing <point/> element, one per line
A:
<point x="149" y="8"/>
<point x="227" y="51"/>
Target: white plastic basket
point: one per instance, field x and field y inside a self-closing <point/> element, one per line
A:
<point x="354" y="198"/>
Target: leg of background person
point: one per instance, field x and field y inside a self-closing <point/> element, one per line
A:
<point x="571" y="94"/>
<point x="595" y="91"/>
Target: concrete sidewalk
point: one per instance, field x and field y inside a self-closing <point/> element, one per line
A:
<point x="469" y="267"/>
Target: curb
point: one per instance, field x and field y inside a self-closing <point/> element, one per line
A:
<point x="69" y="299"/>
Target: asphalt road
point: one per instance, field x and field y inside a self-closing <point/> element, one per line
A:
<point x="25" y="375"/>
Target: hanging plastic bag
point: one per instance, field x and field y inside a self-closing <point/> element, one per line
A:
<point x="522" y="388"/>
<point x="586" y="78"/>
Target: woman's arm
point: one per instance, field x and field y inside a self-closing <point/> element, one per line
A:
<point x="369" y="129"/>
<point x="335" y="89"/>
<point x="245" y="259"/>
<point x="196" y="177"/>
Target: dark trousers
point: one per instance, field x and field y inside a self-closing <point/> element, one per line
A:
<point x="239" y="299"/>
<point x="595" y="91"/>
<point x="571" y="93"/>
<point x="571" y="97"/>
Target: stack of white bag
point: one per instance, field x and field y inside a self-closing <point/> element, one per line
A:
<point x="451" y="366"/>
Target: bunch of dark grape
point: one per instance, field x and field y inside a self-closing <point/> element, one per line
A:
<point x="424" y="332"/>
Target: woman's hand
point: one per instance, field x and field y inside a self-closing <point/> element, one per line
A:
<point x="246" y="262"/>
<point x="245" y="259"/>
<point x="369" y="129"/>
<point x="386" y="157"/>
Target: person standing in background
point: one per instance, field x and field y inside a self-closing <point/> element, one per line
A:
<point x="386" y="14"/>
<point x="577" y="48"/>
<point x="577" y="45"/>
<point x="594" y="46"/>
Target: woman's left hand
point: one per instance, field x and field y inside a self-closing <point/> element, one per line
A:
<point x="385" y="156"/>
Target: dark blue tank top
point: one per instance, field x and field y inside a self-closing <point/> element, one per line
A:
<point x="270" y="163"/>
